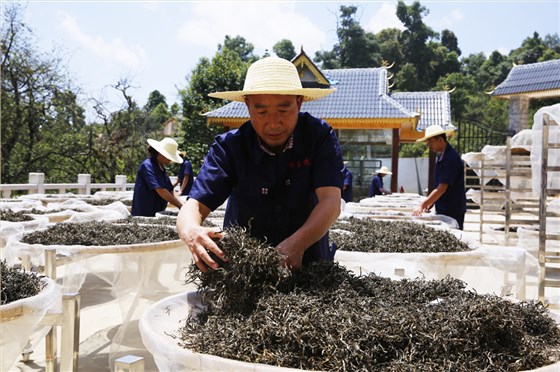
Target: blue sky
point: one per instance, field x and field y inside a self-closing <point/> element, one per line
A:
<point x="155" y="44"/>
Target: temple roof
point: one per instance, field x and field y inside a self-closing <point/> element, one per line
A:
<point x="361" y="94"/>
<point x="541" y="79"/>
<point x="434" y="107"/>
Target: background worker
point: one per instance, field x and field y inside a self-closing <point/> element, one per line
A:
<point x="153" y="188"/>
<point x="185" y="175"/>
<point x="449" y="180"/>
<point x="376" y="187"/>
<point x="347" y="185"/>
<point x="281" y="172"/>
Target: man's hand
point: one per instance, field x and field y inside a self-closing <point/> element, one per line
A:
<point x="292" y="256"/>
<point x="200" y="241"/>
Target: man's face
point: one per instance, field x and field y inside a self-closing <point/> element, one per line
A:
<point x="435" y="144"/>
<point x="274" y="117"/>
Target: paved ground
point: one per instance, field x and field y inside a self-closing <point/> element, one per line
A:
<point x="101" y="316"/>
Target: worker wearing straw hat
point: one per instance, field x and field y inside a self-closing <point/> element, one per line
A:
<point x="376" y="187"/>
<point x="153" y="188"/>
<point x="281" y="172"/>
<point x="449" y="180"/>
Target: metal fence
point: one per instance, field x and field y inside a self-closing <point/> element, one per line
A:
<point x="473" y="136"/>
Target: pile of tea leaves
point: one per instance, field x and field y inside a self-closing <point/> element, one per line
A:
<point x="100" y="233"/>
<point x="48" y="211"/>
<point x="17" y="284"/>
<point x="171" y="221"/>
<point x="375" y="236"/>
<point x="252" y="271"/>
<point x="326" y="318"/>
<point x="107" y="201"/>
<point x="11" y="216"/>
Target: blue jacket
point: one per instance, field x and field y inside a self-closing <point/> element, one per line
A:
<point x="146" y="201"/>
<point x="271" y="195"/>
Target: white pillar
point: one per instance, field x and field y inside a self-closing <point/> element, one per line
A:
<point x="120" y="181"/>
<point x="38" y="179"/>
<point x="84" y="180"/>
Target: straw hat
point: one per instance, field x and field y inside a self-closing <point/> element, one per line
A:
<point x="434" y="130"/>
<point x="273" y="75"/>
<point x="384" y="170"/>
<point x="168" y="148"/>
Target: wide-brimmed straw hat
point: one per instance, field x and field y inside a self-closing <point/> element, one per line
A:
<point x="383" y="170"/>
<point x="434" y="130"/>
<point x="168" y="148"/>
<point x="273" y="75"/>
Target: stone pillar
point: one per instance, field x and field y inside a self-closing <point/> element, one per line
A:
<point x="84" y="180"/>
<point x="39" y="180"/>
<point x="518" y="113"/>
<point x="120" y="182"/>
<point x="395" y="160"/>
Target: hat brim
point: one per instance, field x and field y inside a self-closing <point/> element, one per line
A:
<point x="447" y="132"/>
<point x="309" y="94"/>
<point x="159" y="148"/>
<point x="385" y="173"/>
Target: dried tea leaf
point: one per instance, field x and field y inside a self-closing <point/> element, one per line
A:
<point x="326" y="318"/>
<point x="100" y="233"/>
<point x="374" y="236"/>
<point x="17" y="284"/>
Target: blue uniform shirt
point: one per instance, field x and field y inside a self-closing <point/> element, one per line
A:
<point x="347" y="194"/>
<point x="146" y="201"/>
<point x="376" y="185"/>
<point x="450" y="170"/>
<point x="271" y="195"/>
<point x="185" y="170"/>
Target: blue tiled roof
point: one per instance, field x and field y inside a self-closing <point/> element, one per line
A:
<point x="360" y="94"/>
<point x="433" y="107"/>
<point x="534" y="77"/>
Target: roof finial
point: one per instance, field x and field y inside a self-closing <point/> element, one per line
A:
<point x="385" y="64"/>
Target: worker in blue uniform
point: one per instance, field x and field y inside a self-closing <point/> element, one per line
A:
<point x="185" y="176"/>
<point x="152" y="188"/>
<point x="281" y="172"/>
<point x="347" y="193"/>
<point x="376" y="187"/>
<point x="448" y="194"/>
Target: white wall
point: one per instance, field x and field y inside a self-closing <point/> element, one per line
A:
<point x="413" y="174"/>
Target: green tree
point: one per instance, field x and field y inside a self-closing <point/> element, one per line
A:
<point x="284" y="49"/>
<point x="356" y="48"/>
<point x="414" y="40"/>
<point x="225" y="71"/>
<point x="155" y="98"/>
<point x="118" y="138"/>
<point x="239" y="46"/>
<point x="41" y="116"/>
<point x="449" y="40"/>
<point x="530" y="51"/>
<point x="390" y="47"/>
<point x="442" y="63"/>
<point x="157" y="108"/>
<point x="407" y="79"/>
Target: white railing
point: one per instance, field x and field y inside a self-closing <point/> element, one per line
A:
<point x="83" y="186"/>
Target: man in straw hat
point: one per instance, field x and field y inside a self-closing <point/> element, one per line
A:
<point x="449" y="181"/>
<point x="153" y="188"/>
<point x="376" y="187"/>
<point x="281" y="171"/>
